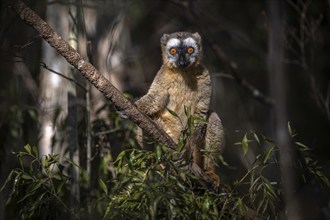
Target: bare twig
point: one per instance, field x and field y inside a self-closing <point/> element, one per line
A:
<point x="304" y="35"/>
<point x="44" y="65"/>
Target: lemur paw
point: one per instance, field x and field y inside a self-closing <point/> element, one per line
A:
<point x="215" y="179"/>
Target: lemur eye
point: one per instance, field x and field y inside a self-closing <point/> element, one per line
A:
<point x="173" y="51"/>
<point x="190" y="50"/>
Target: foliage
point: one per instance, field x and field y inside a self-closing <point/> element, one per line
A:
<point x="153" y="185"/>
<point x="265" y="196"/>
<point x="38" y="191"/>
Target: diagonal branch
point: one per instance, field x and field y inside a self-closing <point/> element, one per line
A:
<point x="100" y="82"/>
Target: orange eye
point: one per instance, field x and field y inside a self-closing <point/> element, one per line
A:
<point x="173" y="51"/>
<point x="190" y="50"/>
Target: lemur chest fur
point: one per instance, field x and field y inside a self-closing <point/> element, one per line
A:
<point x="182" y="91"/>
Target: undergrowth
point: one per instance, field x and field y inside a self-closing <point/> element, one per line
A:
<point x="152" y="185"/>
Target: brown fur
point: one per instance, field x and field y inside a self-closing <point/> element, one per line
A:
<point x="174" y="88"/>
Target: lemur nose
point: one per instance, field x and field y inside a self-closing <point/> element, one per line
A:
<point x="182" y="64"/>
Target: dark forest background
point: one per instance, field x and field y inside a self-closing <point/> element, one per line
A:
<point x="122" y="39"/>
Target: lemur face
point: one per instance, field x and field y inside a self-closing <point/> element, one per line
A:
<point x="182" y="49"/>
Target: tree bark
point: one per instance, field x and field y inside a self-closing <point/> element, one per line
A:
<point x="100" y="82"/>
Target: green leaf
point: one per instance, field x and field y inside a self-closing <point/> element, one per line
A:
<point x="153" y="208"/>
<point x="181" y="143"/>
<point x="303" y="147"/>
<point x="32" y="113"/>
<point x="59" y="187"/>
<point x="256" y="137"/>
<point x="28" y="148"/>
<point x="35" y="151"/>
<point x="222" y="160"/>
<point x="27" y="176"/>
<point x="239" y="204"/>
<point x="206" y="203"/>
<point x="245" y="144"/>
<point x="200" y="120"/>
<point x="70" y="161"/>
<point x="103" y="186"/>
<point x="186" y="111"/>
<point x="46" y="161"/>
<point x="21" y="154"/>
<point x="31" y="190"/>
<point x="267" y="155"/>
<point x="119" y="159"/>
<point x="159" y="152"/>
<point x="9" y="178"/>
<point x="57" y="176"/>
<point x="260" y="204"/>
<point x="172" y="112"/>
<point x="290" y="129"/>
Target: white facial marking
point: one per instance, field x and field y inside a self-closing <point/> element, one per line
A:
<point x="190" y="42"/>
<point x="172" y="43"/>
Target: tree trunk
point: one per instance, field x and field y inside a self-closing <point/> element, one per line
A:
<point x="277" y="83"/>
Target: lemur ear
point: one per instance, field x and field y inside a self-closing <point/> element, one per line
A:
<point x="197" y="37"/>
<point x="164" y="39"/>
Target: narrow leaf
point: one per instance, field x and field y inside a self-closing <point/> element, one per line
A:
<point x="35" y="151"/>
<point x="158" y="152"/>
<point x="268" y="154"/>
<point x="172" y="113"/>
<point x="245" y="145"/>
<point x="290" y="129"/>
<point x="181" y="143"/>
<point x="256" y="137"/>
<point x="186" y="111"/>
<point x="103" y="186"/>
<point x="222" y="160"/>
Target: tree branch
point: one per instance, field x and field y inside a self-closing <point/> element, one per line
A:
<point x="100" y="82"/>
